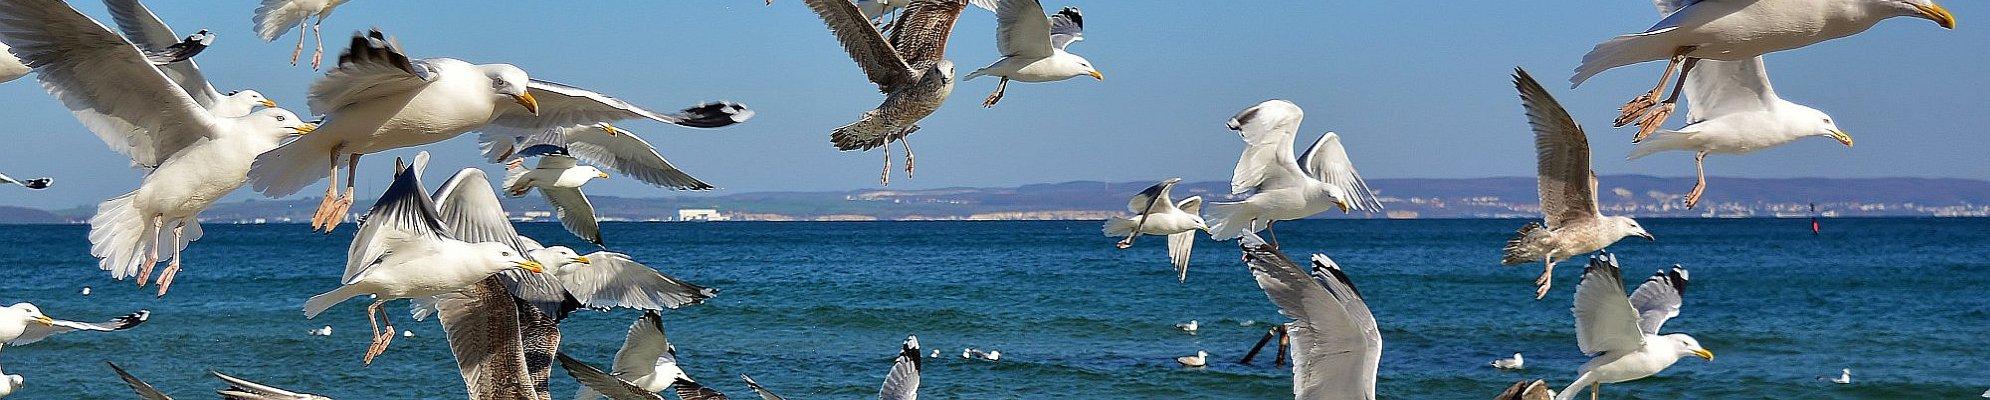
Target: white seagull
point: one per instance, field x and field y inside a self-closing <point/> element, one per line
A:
<point x="194" y="154"/>
<point x="645" y="365"/>
<point x="1732" y="109"/>
<point x="1336" y="347"/>
<point x="1189" y="326"/>
<point x="33" y="184"/>
<point x="1621" y="333"/>
<point x="378" y="99"/>
<point x="1735" y="30"/>
<point x="1032" y="45"/>
<point x="1844" y="377"/>
<point x="1200" y="359"/>
<point x="23" y="323"/>
<point x="559" y="178"/>
<point x="9" y="384"/>
<point x="403" y="251"/>
<point x="601" y="145"/>
<point x="1575" y="223"/>
<point x="1510" y="363"/>
<point x="276" y="17"/>
<point x="1155" y="213"/>
<point x="1282" y="187"/>
<point x="324" y="331"/>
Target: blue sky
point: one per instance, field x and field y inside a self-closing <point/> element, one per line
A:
<point x="1416" y="89"/>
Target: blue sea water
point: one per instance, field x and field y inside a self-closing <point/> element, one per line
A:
<point x="816" y="310"/>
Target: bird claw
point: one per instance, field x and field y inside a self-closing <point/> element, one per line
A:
<point x="1123" y="244"/>
<point x="1541" y="292"/>
<point x="1693" y="198"/>
<point x="991" y="100"/>
<point x="1653" y="120"/>
<point x="1636" y="107"/>
<point x="166" y="277"/>
<point x="317" y="58"/>
<point x="379" y="345"/>
<point x="332" y="212"/>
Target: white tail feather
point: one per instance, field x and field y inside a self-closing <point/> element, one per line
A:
<point x="1660" y="141"/>
<point x="1232" y="220"/>
<point x="1120" y="226"/>
<point x="318" y="304"/>
<point x="288" y="168"/>
<point x="119" y="236"/>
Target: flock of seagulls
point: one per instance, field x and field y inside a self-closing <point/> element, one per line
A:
<point x="501" y="296"/>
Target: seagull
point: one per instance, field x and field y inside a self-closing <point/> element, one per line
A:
<point x="407" y="333"/>
<point x="764" y="393"/>
<point x="1336" y="347"/>
<point x="1844" y="377"/>
<point x="1032" y="45"/>
<point x="325" y="331"/>
<point x="11" y="68"/>
<point x="935" y="355"/>
<point x="488" y="332"/>
<point x="602" y="145"/>
<point x="378" y="99"/>
<point x="1189" y="326"/>
<point x="967" y="353"/>
<point x="1199" y="360"/>
<point x="902" y="383"/>
<point x="1733" y="110"/>
<point x="1155" y="213"/>
<point x="86" y="290"/>
<point x="35" y="184"/>
<point x="403" y="251"/>
<point x="193" y="153"/>
<point x="559" y="178"/>
<point x="910" y="68"/>
<point x="1575" y="224"/>
<point x="1510" y="363"/>
<point x="148" y="32"/>
<point x="182" y="51"/>
<point x="993" y="355"/>
<point x="1621" y="333"/>
<point x="1280" y="186"/>
<point x="646" y="364"/>
<point x="238" y="388"/>
<point x="9" y="384"/>
<point x="23" y="323"/>
<point x="1735" y="30"/>
<point x="276" y="17"/>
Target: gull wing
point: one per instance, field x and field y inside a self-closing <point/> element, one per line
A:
<point x="148" y="32"/>
<point x="902" y="383"/>
<point x="1568" y="185"/>
<point x="881" y="63"/>
<point x="762" y="391"/>
<point x="646" y="350"/>
<point x="624" y="152"/>
<point x="36" y="332"/>
<point x="1604" y="318"/>
<point x="614" y="280"/>
<point x="1021" y="29"/>
<point x="1336" y="348"/>
<point x="372" y="67"/>
<point x="692" y="390"/>
<point x="1327" y="161"/>
<point x="145" y="390"/>
<point x="468" y="208"/>
<point x="1267" y="162"/>
<point x="602" y="383"/>
<point x="920" y="34"/>
<point x="403" y="216"/>
<point x="576" y="213"/>
<point x="105" y="80"/>
<point x="1728" y="87"/>
<point x="1147" y="201"/>
<point x="483" y="326"/>
<point x="1658" y="299"/>
<point x="243" y="389"/>
<point x="562" y="105"/>
<point x="1067" y="27"/>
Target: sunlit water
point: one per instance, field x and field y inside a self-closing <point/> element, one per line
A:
<point x="816" y="310"/>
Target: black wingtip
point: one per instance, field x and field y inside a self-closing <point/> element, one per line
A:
<point x="714" y="115"/>
<point x="1073" y="13"/>
<point x="38" y="183"/>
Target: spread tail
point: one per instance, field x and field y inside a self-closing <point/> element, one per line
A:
<point x="1232" y="220"/>
<point x="318" y="304"/>
<point x="121" y="236"/>
<point x="1119" y="226"/>
<point x="867" y="133"/>
<point x="1513" y="246"/>
<point x="274" y="17"/>
<point x="1617" y="52"/>
<point x="288" y="168"/>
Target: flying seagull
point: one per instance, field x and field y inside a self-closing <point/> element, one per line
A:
<point x="910" y="68"/>
<point x="1155" y="213"/>
<point x="378" y="99"/>
<point x="902" y="383"/>
<point x="36" y="183"/>
<point x="1735" y="30"/>
<point x="1621" y="333"/>
<point x="276" y="17"/>
<point x="559" y="178"/>
<point x="193" y="154"/>
<point x="601" y="145"/>
<point x="645" y="365"/>
<point x="238" y="388"/>
<point x="1575" y="224"/>
<point x="1281" y="187"/>
<point x="1732" y="109"/>
<point x="404" y="251"/>
<point x="23" y="323"/>
<point x="1336" y="348"/>
<point x="1032" y="45"/>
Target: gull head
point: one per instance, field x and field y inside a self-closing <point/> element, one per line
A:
<point x="1822" y="125"/>
<point x="1926" y="9"/>
<point x="558" y="255"/>
<point x="251" y="97"/>
<point x="31" y="313"/>
<point x="498" y="256"/>
<point x="1269" y="115"/>
<point x="1690" y="347"/>
<point x="1082" y="66"/>
<point x="944" y="70"/>
<point x="593" y="173"/>
<point x="1630" y="227"/>
<point x="1340" y="198"/>
<point x="509" y="82"/>
<point x="280" y="122"/>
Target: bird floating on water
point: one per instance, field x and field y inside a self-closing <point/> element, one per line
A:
<point x="1510" y="363"/>
<point x="1200" y="359"/>
<point x="1189" y="326"/>
<point x="1844" y="377"/>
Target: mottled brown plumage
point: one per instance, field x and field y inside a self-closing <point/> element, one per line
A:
<point x="910" y="68"/>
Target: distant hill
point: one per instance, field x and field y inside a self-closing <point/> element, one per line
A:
<point x="1637" y="195"/>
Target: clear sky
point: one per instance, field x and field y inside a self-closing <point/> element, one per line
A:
<point x="1416" y="88"/>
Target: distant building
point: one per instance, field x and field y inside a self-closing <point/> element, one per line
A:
<point x="699" y="214"/>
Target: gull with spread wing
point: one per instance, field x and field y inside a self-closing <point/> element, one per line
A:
<point x="1621" y="333"/>
<point x="645" y="365"/>
<point x="34" y="184"/>
<point x="1280" y="186"/>
<point x="1575" y="223"/>
<point x="192" y="152"/>
<point x="602" y="145"/>
<point x="1732" y="109"/>
<point x="910" y="68"/>
<point x="559" y="178"/>
<point x="151" y="34"/>
<point x="1336" y="347"/>
<point x="23" y="323"/>
<point x="1032" y="45"/>
<point x="1155" y="213"/>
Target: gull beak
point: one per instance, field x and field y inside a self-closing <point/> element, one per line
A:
<point x="1842" y="137"/>
<point x="269" y="103"/>
<point x="601" y="175"/>
<point x="1344" y="207"/>
<point x="611" y="129"/>
<point x="582" y="260"/>
<point x="1935" y="12"/>
<point x="525" y="99"/>
<point x="1704" y="353"/>
<point x="306" y="128"/>
<point x="1647" y="236"/>
<point x="1098" y="75"/>
<point x="45" y="320"/>
<point x="531" y="266"/>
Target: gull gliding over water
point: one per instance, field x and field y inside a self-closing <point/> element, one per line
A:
<point x="1735" y="30"/>
<point x="1575" y="223"/>
<point x="1336" y="347"/>
<point x="1621" y="333"/>
<point x="646" y="364"/>
<point x="192" y="152"/>
<point x="1280" y="186"/>
<point x="1032" y="45"/>
<point x="559" y="178"/>
<point x="23" y="323"/>
<point x="1155" y="213"/>
<point x="1732" y="109"/>
<point x="910" y="68"/>
<point x="601" y="145"/>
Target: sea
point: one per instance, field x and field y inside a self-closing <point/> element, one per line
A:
<point x="816" y="310"/>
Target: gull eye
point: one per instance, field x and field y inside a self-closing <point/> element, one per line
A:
<point x="505" y="253"/>
<point x="281" y="118"/>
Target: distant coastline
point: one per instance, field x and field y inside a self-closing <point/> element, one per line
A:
<point x="1466" y="198"/>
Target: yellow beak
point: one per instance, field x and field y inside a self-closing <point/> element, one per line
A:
<point x="611" y="129"/>
<point x="532" y="266"/>
<point x="1098" y="75"/>
<point x="601" y="175"/>
<point x="306" y="128"/>
<point x="1704" y="353"/>
<point x="525" y="99"/>
<point x="582" y="260"/>
<point x="1935" y="12"/>
<point x="1344" y="207"/>
<point x="1842" y="137"/>
<point x="269" y="103"/>
<point x="45" y="320"/>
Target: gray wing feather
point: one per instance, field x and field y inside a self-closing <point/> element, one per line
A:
<point x="576" y="213"/>
<point x="1568" y="185"/>
<point x="1022" y="30"/>
<point x="482" y="323"/>
<point x="645" y="347"/>
<point x="1180" y="245"/>
<point x="372" y="67"/>
<point x="147" y="31"/>
<point x="603" y="383"/>
<point x="902" y="383"/>
<point x="1721" y="87"/>
<point x="35" y="333"/>
<point x="762" y="391"/>
<point x="630" y="155"/>
<point x="1336" y="347"/>
<point x="692" y="390"/>
<point x="1147" y="200"/>
<point x="1658" y="298"/>
<point x="403" y="213"/>
<point x="1328" y="162"/>
<point x="468" y="207"/>
<point x="145" y="390"/>
<point x="562" y="105"/>
<point x="614" y="280"/>
<point x="1604" y="318"/>
<point x="243" y="389"/>
<point x="881" y="63"/>
<point x="1067" y="27"/>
